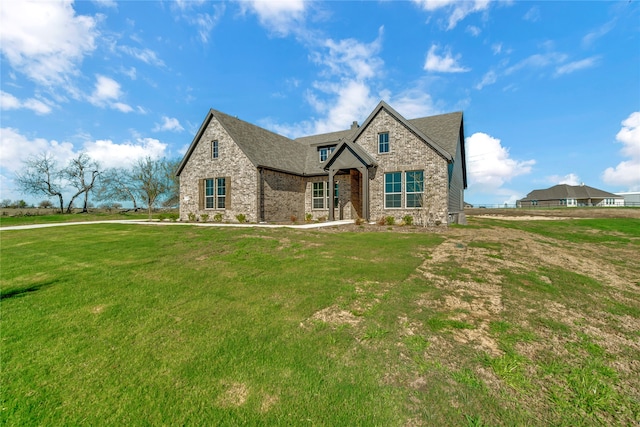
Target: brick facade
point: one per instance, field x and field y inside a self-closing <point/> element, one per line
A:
<point x="406" y="153"/>
<point x="276" y="194"/>
<point x="232" y="163"/>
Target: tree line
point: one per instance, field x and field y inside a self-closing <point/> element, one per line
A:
<point x="146" y="183"/>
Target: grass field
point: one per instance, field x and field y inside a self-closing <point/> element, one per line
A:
<point x="495" y="323"/>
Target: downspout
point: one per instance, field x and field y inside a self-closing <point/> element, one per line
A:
<point x="261" y="194"/>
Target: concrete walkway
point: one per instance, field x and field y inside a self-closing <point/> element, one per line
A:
<point x="197" y="224"/>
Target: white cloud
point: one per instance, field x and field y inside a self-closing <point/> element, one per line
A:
<point x="533" y="14"/>
<point x="496" y="48"/>
<point x="489" y="163"/>
<point x="443" y="64"/>
<point x="538" y="61"/>
<point x="594" y="35"/>
<point x="458" y="10"/>
<point x="106" y="3"/>
<point x="45" y="40"/>
<point x="145" y="55"/>
<point x="351" y="58"/>
<point x="627" y="172"/>
<point x="111" y="154"/>
<point x="107" y="92"/>
<point x="473" y="30"/>
<point x="569" y="179"/>
<point x="168" y="124"/>
<point x="577" y="65"/>
<point x="488" y="79"/>
<point x="344" y="93"/>
<point x="280" y="17"/>
<point x="202" y="20"/>
<point x="17" y="148"/>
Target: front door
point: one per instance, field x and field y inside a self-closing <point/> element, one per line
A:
<point x="356" y="193"/>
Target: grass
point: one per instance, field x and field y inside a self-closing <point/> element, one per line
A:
<point x="126" y="324"/>
<point x="8" y="221"/>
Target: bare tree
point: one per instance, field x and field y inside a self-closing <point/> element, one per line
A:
<point x="41" y="176"/>
<point x="81" y="172"/>
<point x="173" y="191"/>
<point x="150" y="177"/>
<point x="116" y="184"/>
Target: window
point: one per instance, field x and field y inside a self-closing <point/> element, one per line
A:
<point x="383" y="142"/>
<point x="335" y="194"/>
<point x="393" y="190"/>
<point x="414" y="184"/>
<point x="215" y="193"/>
<point x="214" y="149"/>
<point x="318" y="195"/>
<point x="324" y="152"/>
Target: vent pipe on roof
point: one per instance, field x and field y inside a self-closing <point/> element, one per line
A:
<point x="355" y="125"/>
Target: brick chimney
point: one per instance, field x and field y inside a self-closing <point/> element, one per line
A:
<point x="355" y="125"/>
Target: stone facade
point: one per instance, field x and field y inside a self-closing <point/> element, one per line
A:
<point x="343" y="210"/>
<point x="406" y="153"/>
<point x="275" y="193"/>
<point x="231" y="163"/>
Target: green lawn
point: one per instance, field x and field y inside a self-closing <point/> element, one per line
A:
<point x="182" y="325"/>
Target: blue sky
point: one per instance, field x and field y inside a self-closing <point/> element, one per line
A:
<point x="550" y="90"/>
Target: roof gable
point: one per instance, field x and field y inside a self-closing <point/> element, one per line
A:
<point x="348" y="154"/>
<point x="407" y="123"/>
<point x="261" y="146"/>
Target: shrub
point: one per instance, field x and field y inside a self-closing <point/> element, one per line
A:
<point x="294" y="219"/>
<point x="162" y="217"/>
<point x="359" y="221"/>
<point x="389" y="220"/>
<point x="173" y="217"/>
<point x="204" y="217"/>
<point x="241" y="218"/>
<point x="407" y="219"/>
<point x="308" y="217"/>
<point x="217" y="217"/>
<point x="191" y="216"/>
<point x="322" y="219"/>
<point x="381" y="221"/>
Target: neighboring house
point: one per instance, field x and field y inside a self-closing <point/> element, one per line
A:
<point x="389" y="166"/>
<point x="571" y="196"/>
<point x="631" y="198"/>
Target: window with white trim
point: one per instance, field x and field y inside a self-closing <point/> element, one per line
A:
<point x="393" y="190"/>
<point x="215" y="193"/>
<point x="214" y="149"/>
<point x="318" y="195"/>
<point x="383" y="142"/>
<point x="414" y="187"/>
<point x="324" y="152"/>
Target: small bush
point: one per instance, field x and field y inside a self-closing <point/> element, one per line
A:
<point x="242" y="218"/>
<point x="294" y="219"/>
<point x="359" y="221"/>
<point x="204" y="217"/>
<point x="308" y="217"/>
<point x="381" y="221"/>
<point x="162" y="217"/>
<point x="217" y="217"/>
<point x="173" y="217"/>
<point x="322" y="219"/>
<point x="407" y="219"/>
<point x="389" y="220"/>
<point x="191" y="216"/>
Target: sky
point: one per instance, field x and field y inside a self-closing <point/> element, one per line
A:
<point x="550" y="90"/>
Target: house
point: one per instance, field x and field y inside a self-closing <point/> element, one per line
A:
<point x="631" y="198"/>
<point x="571" y="196"/>
<point x="388" y="166"/>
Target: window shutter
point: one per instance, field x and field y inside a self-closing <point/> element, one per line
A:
<point x="201" y="194"/>
<point x="227" y="196"/>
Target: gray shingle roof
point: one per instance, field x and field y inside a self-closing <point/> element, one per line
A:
<point x="300" y="156"/>
<point x="564" y="191"/>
